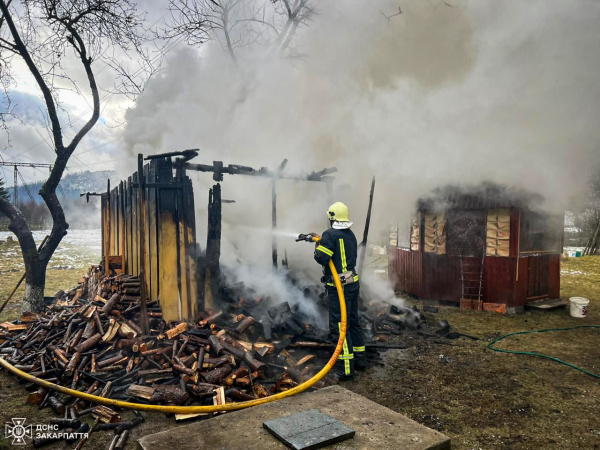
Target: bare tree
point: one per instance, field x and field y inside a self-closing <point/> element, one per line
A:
<point x="238" y="23"/>
<point x="45" y="35"/>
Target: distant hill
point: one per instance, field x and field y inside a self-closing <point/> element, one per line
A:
<point x="72" y="185"/>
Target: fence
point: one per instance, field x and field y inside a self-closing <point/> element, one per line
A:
<point x="149" y="231"/>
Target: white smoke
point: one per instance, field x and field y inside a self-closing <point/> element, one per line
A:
<point x="446" y="92"/>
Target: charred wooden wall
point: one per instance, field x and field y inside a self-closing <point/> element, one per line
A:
<point x="169" y="271"/>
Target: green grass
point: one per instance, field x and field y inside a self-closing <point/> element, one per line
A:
<point x="484" y="399"/>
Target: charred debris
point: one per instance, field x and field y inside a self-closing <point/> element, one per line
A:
<point x="89" y="339"/>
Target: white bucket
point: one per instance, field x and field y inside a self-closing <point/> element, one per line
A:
<point x="579" y="306"/>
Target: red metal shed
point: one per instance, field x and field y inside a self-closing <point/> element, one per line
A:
<point x="485" y="245"/>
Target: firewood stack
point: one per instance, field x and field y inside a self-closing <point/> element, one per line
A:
<point x="95" y="345"/>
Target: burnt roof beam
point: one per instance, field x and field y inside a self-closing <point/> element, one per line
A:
<point x="233" y="169"/>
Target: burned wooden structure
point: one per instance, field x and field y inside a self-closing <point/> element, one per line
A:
<point x="149" y="231"/>
<point x="485" y="248"/>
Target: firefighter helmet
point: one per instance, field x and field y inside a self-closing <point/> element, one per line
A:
<point x="338" y="213"/>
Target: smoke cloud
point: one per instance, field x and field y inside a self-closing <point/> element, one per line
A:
<point x="445" y="92"/>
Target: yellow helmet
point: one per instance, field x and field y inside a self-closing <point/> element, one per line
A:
<point x="338" y="212"/>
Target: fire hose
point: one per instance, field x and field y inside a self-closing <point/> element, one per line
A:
<point x="212" y="408"/>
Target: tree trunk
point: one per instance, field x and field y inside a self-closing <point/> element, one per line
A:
<point x="34" y="288"/>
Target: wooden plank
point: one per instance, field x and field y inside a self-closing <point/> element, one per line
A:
<point x="135" y="249"/>
<point x="192" y="252"/>
<point x="129" y="228"/>
<point x="107" y="229"/>
<point x="146" y="226"/>
<point x="153" y="256"/>
<point x="169" y="292"/>
<point x="103" y="225"/>
<point x="122" y="224"/>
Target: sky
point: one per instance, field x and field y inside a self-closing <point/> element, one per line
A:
<point x="445" y="92"/>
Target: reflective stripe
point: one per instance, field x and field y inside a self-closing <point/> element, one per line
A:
<point x="350" y="356"/>
<point x="356" y="278"/>
<point x="343" y="253"/>
<point x="325" y="250"/>
<point x="347" y="367"/>
<point x="358" y="349"/>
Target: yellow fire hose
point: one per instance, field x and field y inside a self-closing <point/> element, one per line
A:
<point x="202" y="409"/>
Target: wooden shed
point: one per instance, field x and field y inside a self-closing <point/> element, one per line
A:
<point x="490" y="247"/>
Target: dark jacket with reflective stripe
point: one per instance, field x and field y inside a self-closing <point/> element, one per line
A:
<point x="339" y="245"/>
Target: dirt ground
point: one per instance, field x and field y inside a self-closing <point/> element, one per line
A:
<point x="480" y="398"/>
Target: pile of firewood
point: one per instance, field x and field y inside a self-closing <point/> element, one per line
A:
<point x="95" y="345"/>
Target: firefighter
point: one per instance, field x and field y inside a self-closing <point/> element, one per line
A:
<point x="339" y="244"/>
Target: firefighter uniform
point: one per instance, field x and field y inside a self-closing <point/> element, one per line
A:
<point x="340" y="246"/>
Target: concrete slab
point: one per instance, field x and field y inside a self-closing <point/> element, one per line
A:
<point x="376" y="426"/>
<point x="308" y="430"/>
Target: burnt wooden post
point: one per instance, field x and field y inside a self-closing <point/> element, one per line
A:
<point x="153" y="232"/>
<point x="274" y="178"/>
<point x="122" y="225"/>
<point x="274" y="222"/>
<point x="103" y="227"/>
<point x="363" y="244"/>
<point x="107" y="229"/>
<point x="213" y="245"/>
<point x="142" y="246"/>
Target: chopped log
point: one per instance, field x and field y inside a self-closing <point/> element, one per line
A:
<point x="145" y="392"/>
<point x="109" y="361"/>
<point x="211" y="363"/>
<point x="243" y="381"/>
<point x="111" y="332"/>
<point x="127" y="331"/>
<point x="88" y="344"/>
<point x="90" y="329"/>
<point x="259" y="391"/>
<point x="244" y="324"/>
<point x="183" y="369"/>
<point x="57" y="405"/>
<point x="219" y="398"/>
<point x="59" y="354"/>
<point x="240" y="396"/>
<point x="216" y="375"/>
<point x="183" y="417"/>
<point x="305" y="360"/>
<point x="36" y="398"/>
<point x="122" y="440"/>
<point x="12" y="327"/>
<point x="177" y="330"/>
<point x="169" y="394"/>
<point x="72" y="366"/>
<point x="253" y="363"/>
<point x="105" y="414"/>
<point x="216" y="344"/>
<point x="211" y="319"/>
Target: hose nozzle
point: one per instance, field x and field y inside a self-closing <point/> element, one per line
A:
<point x="310" y="237"/>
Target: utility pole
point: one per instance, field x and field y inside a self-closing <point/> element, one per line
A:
<point x="15" y="195"/>
<point x="16" y="165"/>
